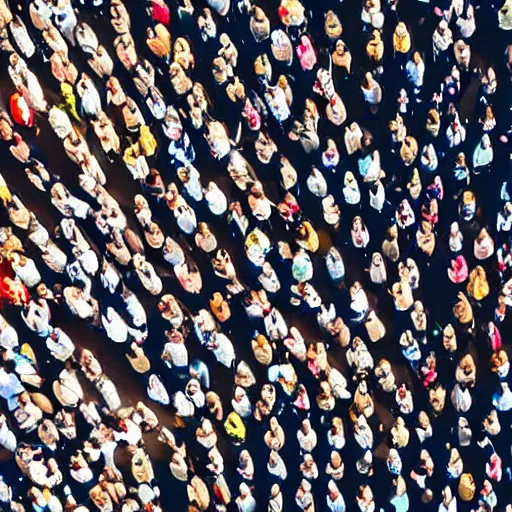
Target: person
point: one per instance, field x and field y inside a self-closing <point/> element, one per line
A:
<point x="372" y="92"/>
<point x="483" y="245"/>
<point x="307" y="437"/>
<point x="262" y="350"/>
<point x="415" y="69"/>
<point x="365" y="499"/>
<point x="276" y="466"/>
<point x="90" y="98"/>
<point x="335" y="468"/>
<point x="23" y="78"/>
<point x="275" y="503"/>
<point x="245" y="501"/>
<point x="482" y="155"/>
<point x="304" y="497"/>
<point x="449" y="502"/>
<point x="60" y="344"/>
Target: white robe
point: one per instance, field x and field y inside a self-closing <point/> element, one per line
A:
<point x="224" y="352"/>
<point x="8" y="335"/>
<point x="108" y="391"/>
<point x="114" y="326"/>
<point x="7" y="438"/>
<point x="62" y="348"/>
<point x="28" y="273"/>
<point x="66" y="21"/>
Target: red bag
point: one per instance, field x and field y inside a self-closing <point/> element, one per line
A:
<point x="21" y="113"/>
<point x="160" y="12"/>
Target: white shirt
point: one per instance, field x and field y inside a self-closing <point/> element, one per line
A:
<point x="504" y="223"/>
<point x="452" y="506"/>
<point x="177" y="352"/>
<point x="28" y="273"/>
<point x="61" y="348"/>
<point x="415" y="72"/>
<point x="217" y="202"/>
<point x="308" y="441"/>
<point x="110" y="278"/>
<point x="338" y="505"/>
<point x="270" y="283"/>
<point x="8" y="335"/>
<point x="114" y="326"/>
<point x="377" y="199"/>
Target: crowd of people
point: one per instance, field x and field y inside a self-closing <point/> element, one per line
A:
<point x="294" y="220"/>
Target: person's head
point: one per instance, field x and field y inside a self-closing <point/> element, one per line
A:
<point x="14" y="58"/>
<point x="268" y="393"/>
<point x="224" y="39"/>
<point x="275" y="491"/>
<point x="368" y="80"/>
<point x="244" y="457"/>
<point x="239" y="394"/>
<point x="42" y="290"/>
<point x="416" y="57"/>
<point x="401" y="29"/>
<point x="257" y="189"/>
<point x="308" y="460"/>
<point x="336" y="425"/>
<point x="365" y="493"/>
<point x="393" y="454"/>
<point x="86" y="358"/>
<point x="203" y="228"/>
<point x="367" y="138"/>
<point x="357" y="223"/>
<point x="454" y="228"/>
<point x="24" y="398"/>
<point x="447" y="494"/>
<point x="423" y="419"/>
<point x="377" y="259"/>
<point x="193" y="387"/>
<point x="335" y="459"/>
<point x="468" y="197"/>
<point x="306" y="486"/>
<point x="418" y="306"/>
<point x="482" y="234"/>
<point x="340" y="47"/>
<point x="267" y="269"/>
<point x="207" y="427"/>
<point x="355" y="289"/>
<point x="244" y="490"/>
<point x="427" y="496"/>
<point x="261" y="341"/>
<point x="306" y="426"/>
<point x="140" y="202"/>
<point x="259" y="14"/>
<point x="325" y="389"/>
<point x="349" y="179"/>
